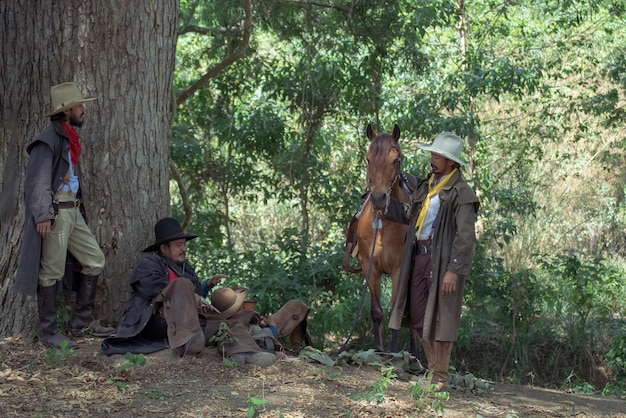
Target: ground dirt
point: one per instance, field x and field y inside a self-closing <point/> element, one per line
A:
<point x="35" y="383"/>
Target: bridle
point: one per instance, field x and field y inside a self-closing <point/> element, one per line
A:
<point x="399" y="177"/>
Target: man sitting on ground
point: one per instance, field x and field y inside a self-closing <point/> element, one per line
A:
<point x="167" y="309"/>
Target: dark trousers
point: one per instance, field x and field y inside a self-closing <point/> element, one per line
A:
<point x="155" y="329"/>
<point x="421" y="280"/>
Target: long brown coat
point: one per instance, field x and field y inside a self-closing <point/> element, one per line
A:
<point x="454" y="242"/>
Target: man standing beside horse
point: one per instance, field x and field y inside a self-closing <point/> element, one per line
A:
<point x="438" y="254"/>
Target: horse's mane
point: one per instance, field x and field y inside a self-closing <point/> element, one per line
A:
<point x="381" y="144"/>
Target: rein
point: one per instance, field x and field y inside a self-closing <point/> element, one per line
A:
<point x="403" y="183"/>
<point x="377" y="224"/>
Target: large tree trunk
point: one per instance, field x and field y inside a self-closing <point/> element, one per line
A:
<point x="123" y="52"/>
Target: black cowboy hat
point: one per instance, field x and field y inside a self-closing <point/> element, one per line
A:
<point x="167" y="230"/>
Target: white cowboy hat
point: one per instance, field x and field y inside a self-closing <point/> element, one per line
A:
<point x="65" y="96"/>
<point x="446" y="144"/>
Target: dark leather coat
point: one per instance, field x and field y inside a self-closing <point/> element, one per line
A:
<point x="48" y="151"/>
<point x="148" y="279"/>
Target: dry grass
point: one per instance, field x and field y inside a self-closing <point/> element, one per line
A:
<point x="88" y="384"/>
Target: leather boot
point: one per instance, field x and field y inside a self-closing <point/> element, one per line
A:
<point x="429" y="352"/>
<point x="193" y="346"/>
<point x="442" y="350"/>
<point x="291" y="319"/>
<point x="258" y="358"/>
<point x="241" y="347"/>
<point x="83" y="323"/>
<point x="49" y="334"/>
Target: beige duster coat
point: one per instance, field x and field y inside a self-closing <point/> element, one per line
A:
<point x="454" y="242"/>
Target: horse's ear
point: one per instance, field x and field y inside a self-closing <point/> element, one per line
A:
<point x="396" y="132"/>
<point x="370" y="132"/>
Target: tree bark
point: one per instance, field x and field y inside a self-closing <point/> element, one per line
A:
<point x="123" y="53"/>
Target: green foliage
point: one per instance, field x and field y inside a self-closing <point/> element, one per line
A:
<point x="222" y="337"/>
<point x="156" y="394"/>
<point x="376" y="393"/>
<point x="616" y="359"/>
<point x="118" y="382"/>
<point x="548" y="325"/>
<point x="573" y="384"/>
<point x="134" y="361"/>
<point x="271" y="152"/>
<point x="62" y="354"/>
<point x="579" y="279"/>
<point x="255" y="403"/>
<point x="430" y="398"/>
<point x="126" y="372"/>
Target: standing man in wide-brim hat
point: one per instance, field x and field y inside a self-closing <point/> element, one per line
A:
<point x="54" y="227"/>
<point x="438" y="254"/>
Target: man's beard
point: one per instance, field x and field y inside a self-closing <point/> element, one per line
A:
<point x="75" y="122"/>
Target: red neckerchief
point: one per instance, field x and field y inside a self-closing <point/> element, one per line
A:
<point x="172" y="275"/>
<point x="74" y="142"/>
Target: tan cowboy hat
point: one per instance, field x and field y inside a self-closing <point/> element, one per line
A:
<point x="228" y="301"/>
<point x="65" y="96"/>
<point x="446" y="144"/>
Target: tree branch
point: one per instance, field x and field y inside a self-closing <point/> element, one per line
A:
<point x="192" y="9"/>
<point x="175" y="173"/>
<point x="193" y="28"/>
<point x="325" y="5"/>
<point x="239" y="53"/>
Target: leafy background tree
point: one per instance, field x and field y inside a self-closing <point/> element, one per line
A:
<point x="268" y="161"/>
<point x="539" y="103"/>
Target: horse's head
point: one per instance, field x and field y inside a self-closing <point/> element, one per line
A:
<point x="384" y="165"/>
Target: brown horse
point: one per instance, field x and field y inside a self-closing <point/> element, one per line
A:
<point x="385" y="179"/>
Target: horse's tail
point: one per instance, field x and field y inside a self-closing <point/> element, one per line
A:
<point x="345" y="264"/>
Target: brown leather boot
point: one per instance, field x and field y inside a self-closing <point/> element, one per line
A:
<point x="83" y="323"/>
<point x="191" y="347"/>
<point x="429" y="352"/>
<point x="242" y="348"/>
<point x="291" y="319"/>
<point x="442" y="350"/>
<point x="258" y="358"/>
<point x="49" y="334"/>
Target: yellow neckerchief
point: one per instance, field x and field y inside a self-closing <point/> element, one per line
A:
<point x="431" y="192"/>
